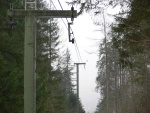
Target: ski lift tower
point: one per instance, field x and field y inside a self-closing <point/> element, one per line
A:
<point x="30" y="58"/>
<point x="30" y="13"/>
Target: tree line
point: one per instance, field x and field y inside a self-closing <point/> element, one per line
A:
<point x="54" y="87"/>
<point x="123" y="80"/>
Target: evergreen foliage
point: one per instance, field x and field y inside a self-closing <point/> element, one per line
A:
<point x="128" y="66"/>
<point x="128" y="53"/>
<point x="54" y="87"/>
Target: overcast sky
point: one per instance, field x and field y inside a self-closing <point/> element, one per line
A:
<point x="86" y="34"/>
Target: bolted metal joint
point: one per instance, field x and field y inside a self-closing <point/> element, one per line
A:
<point x="12" y="23"/>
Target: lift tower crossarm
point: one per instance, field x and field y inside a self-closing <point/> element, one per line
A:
<point x="43" y="13"/>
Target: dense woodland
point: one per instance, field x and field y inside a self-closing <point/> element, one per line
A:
<point x="55" y="92"/>
<point x="123" y="67"/>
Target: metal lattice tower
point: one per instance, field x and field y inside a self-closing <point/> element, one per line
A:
<point x="30" y="4"/>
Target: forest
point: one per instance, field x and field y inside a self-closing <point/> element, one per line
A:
<point x="123" y="77"/>
<point x="54" y="88"/>
<point x="123" y="67"/>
